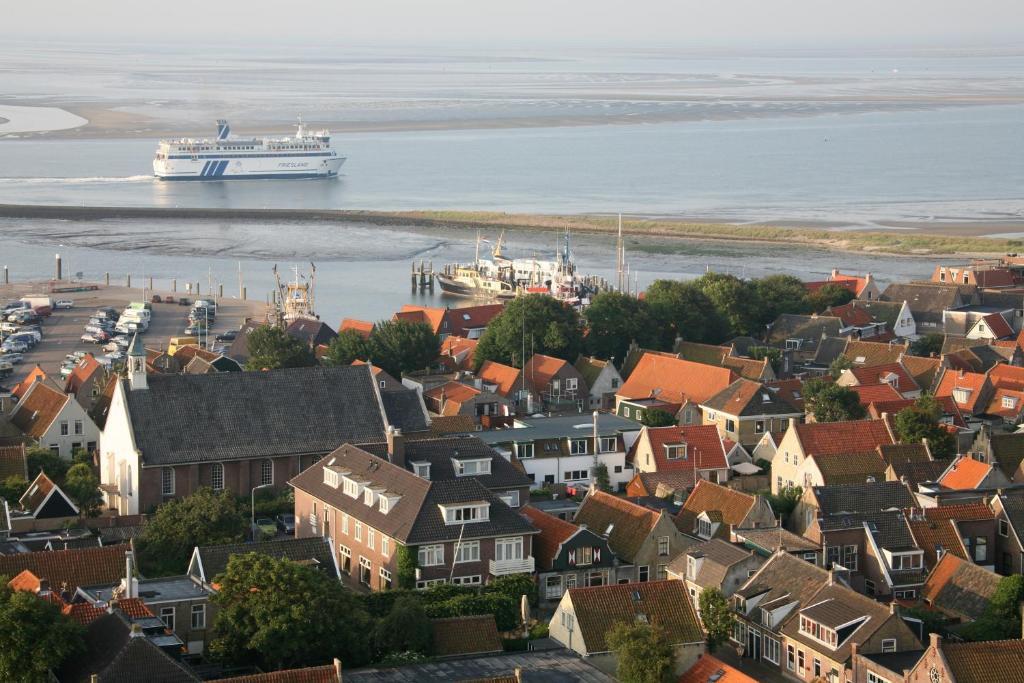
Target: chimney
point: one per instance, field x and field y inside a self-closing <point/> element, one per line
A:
<point x="934" y="641"/>
<point x="136" y="631"/>
<point x="337" y="669"/>
<point x="396" y="446"/>
<point x="131" y="585"/>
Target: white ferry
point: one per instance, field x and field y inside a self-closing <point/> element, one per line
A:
<point x="306" y="155"/>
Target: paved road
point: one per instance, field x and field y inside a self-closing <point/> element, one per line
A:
<point x="62" y="330"/>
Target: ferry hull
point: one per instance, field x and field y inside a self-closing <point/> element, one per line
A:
<point x="449" y="285"/>
<point x="247" y="168"/>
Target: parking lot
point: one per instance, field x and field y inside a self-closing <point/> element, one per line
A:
<point x="62" y="331"/>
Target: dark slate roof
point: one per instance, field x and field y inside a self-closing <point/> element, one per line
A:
<point x="312" y="332"/>
<point x="828" y="350"/>
<point x="926" y="301"/>
<point x="1013" y="505"/>
<point x="313" y="551"/>
<point x="404" y="409"/>
<point x="897" y="662"/>
<point x="239" y="349"/>
<point x="441" y="451"/>
<point x="415" y="517"/>
<point x="116" y="657"/>
<point x="871" y="497"/>
<point x="889" y="529"/>
<point x="1008" y="451"/>
<point x="233" y="415"/>
<point x="810" y="328"/>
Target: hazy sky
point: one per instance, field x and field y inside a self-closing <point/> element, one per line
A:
<point x="676" y="23"/>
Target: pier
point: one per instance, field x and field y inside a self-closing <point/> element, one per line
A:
<point x="423" y="276"/>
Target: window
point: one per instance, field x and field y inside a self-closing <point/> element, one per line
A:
<point x="167" y="481"/>
<point x="570" y="581"/>
<point x="792" y="343"/>
<point x="888" y="645"/>
<point x="584" y="556"/>
<point x="474" y="580"/>
<point x="198" y="617"/>
<point x="79" y="426"/>
<point x="790" y="657"/>
<point x="351" y="488"/>
<point x="704" y="528"/>
<point x="608" y="444"/>
<point x="369" y="496"/>
<point x="467" y="513"/>
<point x="385" y="579"/>
<point x="468" y="551"/>
<point x="662" y="572"/>
<point x="344" y="523"/>
<point x="524" y="450"/>
<point x="576" y="475"/>
<point x="832" y="555"/>
<point x="266" y="472"/>
<point x="420" y="585"/>
<point x="730" y="425"/>
<point x="663" y="546"/>
<point x="431" y="555"/>
<point x="553" y="587"/>
<point x="578" y="446"/>
<point x="508" y="548"/>
<point x="1008" y="402"/>
<point x="571" y="383"/>
<point x="510" y="498"/>
<point x="905" y="595"/>
<point x="217" y="476"/>
<point x="371" y="538"/>
<point x="467" y="468"/>
<point x="676" y="452"/>
<point x="625" y="411"/>
<point x="365" y="570"/>
<point x="421" y="470"/>
<point x="817" y="668"/>
<point x="643" y="573"/>
<point x="800" y="663"/>
<point x="759" y="426"/>
<point x="167" y="616"/>
<point x="875" y="678"/>
<point x="385" y="546"/>
<point x="980" y="549"/>
<point x="850" y="557"/>
<point x="961" y="396"/>
<point x="1004" y="527"/>
<point x="359" y="531"/>
<point x="771" y="649"/>
<point x="568" y="621"/>
<point x="63" y="427"/>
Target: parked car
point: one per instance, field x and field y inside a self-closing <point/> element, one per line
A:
<point x="12" y="357"/>
<point x="230" y="335"/>
<point x="184" y="301"/>
<point x="14" y="346"/>
<point x="286" y="523"/>
<point x="6" y="369"/>
<point x="264" y="527"/>
<point x="9" y="327"/>
<point x="63" y="304"/>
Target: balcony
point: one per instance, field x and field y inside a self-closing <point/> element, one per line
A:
<point x="503" y="567"/>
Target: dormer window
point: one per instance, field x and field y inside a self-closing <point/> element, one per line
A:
<point x="421" y="470"/>
<point x="385" y="505"/>
<point x="907" y="561"/>
<point x="578" y="446"/>
<point x="369" y="496"/>
<point x="351" y="487"/>
<point x="468" y="468"/>
<point x="676" y="451"/>
<point x="331" y="477"/>
<point x="1009" y="402"/>
<point x="961" y="395"/>
<point x="822" y="634"/>
<point x="704" y="528"/>
<point x="465" y="513"/>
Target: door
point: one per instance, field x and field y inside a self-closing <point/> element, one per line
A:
<point x="753" y="643"/>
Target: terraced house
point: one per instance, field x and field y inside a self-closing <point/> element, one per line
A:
<point x="375" y="511"/>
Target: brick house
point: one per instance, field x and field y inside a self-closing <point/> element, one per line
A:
<point x="374" y="511"/>
<point x="569" y="555"/>
<point x="168" y="435"/>
<point x="745" y="410"/>
<point x="695" y="449"/>
<point x="713" y="511"/>
<point x="803" y="441"/>
<point x="556" y="383"/>
<point x="86" y="381"/>
<point x="714" y="564"/>
<point x="669" y="383"/>
<point x="55" y="421"/>
<point x="645" y="540"/>
<point x="948" y="662"/>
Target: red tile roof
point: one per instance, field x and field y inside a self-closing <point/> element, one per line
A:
<point x="963" y="512"/>
<point x="949" y="408"/>
<point x="675" y="381"/>
<point x="851" y="315"/>
<point x="541" y="369"/>
<point x="973" y="382"/>
<point x="627" y="524"/>
<point x="75" y="568"/>
<point x="857" y="436"/>
<point x="36" y="374"/>
<point x="998" y="326"/>
<point x="312" y="674"/>
<point x="707" y="496"/>
<point x="1007" y="377"/>
<point x="447" y="398"/>
<point x="504" y="376"/>
<point x="711" y="670"/>
<point x="81" y="373"/>
<point x="553" y="532"/>
<point x="433" y="317"/>
<point x="461" y="320"/>
<point x="880" y="374"/>
<point x="83" y="612"/>
<point x="850" y="284"/>
<point x="362" y="327"/>
<point x="997" y="406"/>
<point x="13" y="462"/>
<point x="38" y="409"/>
<point x="133" y="607"/>
<point x="704" y="448"/>
<point x="965" y="474"/>
<point x="457" y="352"/>
<point x="873" y="393"/>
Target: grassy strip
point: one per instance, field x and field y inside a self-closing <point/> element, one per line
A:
<point x="896" y="242"/>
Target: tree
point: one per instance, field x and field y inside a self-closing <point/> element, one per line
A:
<point x="681" y="309"/>
<point x="604" y="482"/>
<point x="785" y="501"/>
<point x="716" y="617"/>
<point x="515" y="586"/>
<point x="923" y="421"/>
<point x="828" y="295"/>
<point x="204" y="518"/>
<point x="927" y="345"/>
<point x="348" y="346"/>
<point x="270" y="348"/>
<point x="400" y="346"/>
<point x="837" y="366"/>
<point x="775" y="295"/>
<point x="44" y="460"/>
<point x="406" y="628"/>
<point x="12" y="488"/>
<point x="34" y="636"/>
<point x="614" y="320"/>
<point x="642" y="652"/>
<point x="280" y="614"/>
<point x="656" y="417"/>
<point x="829" y="402"/>
<point x="406" y="562"/>
<point x="733" y="298"/>
<point x="534" y="323"/>
<point x="83" y="486"/>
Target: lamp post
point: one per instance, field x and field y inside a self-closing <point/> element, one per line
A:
<point x="252" y="509"/>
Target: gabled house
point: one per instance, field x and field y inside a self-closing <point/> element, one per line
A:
<point x="968" y="474"/>
<point x="557" y="383"/>
<point x="1008" y="508"/>
<point x="800" y="335"/>
<point x="868" y="354"/>
<point x="893" y="374"/>
<point x="55" y="421"/>
<point x="895" y="318"/>
<point x="767" y="541"/>
<point x="911" y="463"/>
<point x="209" y="561"/>
<point x="86" y="381"/>
<point x="1006" y="450"/>
<point x="927" y="301"/>
<point x="974" y="525"/>
<point x="563" y="450"/>
<point x="823" y="501"/>
<point x="767" y="446"/>
<point x="696" y="449"/>
<point x="670" y="384"/>
<point x="468" y="321"/>
<point x="715" y="564"/>
<point x="991" y="326"/>
<point x="456" y="398"/>
<point x="457" y="354"/>
<point x="67" y="570"/>
<point x="971" y="391"/>
<point x="950" y="662"/>
<point x="842" y="468"/>
<point x="745" y="410"/>
<point x="43" y="506"/>
<point x="641" y="537"/>
<point x="959" y="589"/>
<point x="374" y="511"/>
<point x="803" y="441"/>
<point x="148" y="458"/>
<point x="983" y="275"/>
<point x="569" y="555"/>
<point x="506" y="381"/>
<point x="726" y="357"/>
<point x="713" y="511"/>
<point x="602" y="381"/>
<point x="585" y="616"/>
<point x="821" y="637"/>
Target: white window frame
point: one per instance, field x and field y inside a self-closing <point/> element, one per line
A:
<point x="875" y="678"/>
<point x="79" y="427"/>
<point x="524" y="451"/>
<point x="888" y="645"/>
<point x="768" y="646"/>
<point x="609" y="444"/>
<point x="579" y="447"/>
<point x="430" y="555"/>
<point x="200" y="611"/>
<point x="264" y="479"/>
<point x="167" y="481"/>
<point x="467" y="551"/>
<point x="217" y="476"/>
<point x="474" y="580"/>
<point x="509" y="549"/>
<point x="167" y="615"/>
<point x="385" y="546"/>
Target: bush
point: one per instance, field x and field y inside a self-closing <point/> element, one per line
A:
<point x="515" y="586"/>
<point x="539" y="630"/>
<point x="380" y="603"/>
<point x="395" y="659"/>
<point x="504" y="608"/>
<point x="406" y="628"/>
<point x="515" y="644"/>
<point x="406" y="561"/>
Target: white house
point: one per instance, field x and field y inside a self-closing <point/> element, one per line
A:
<point x="55" y="420"/>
